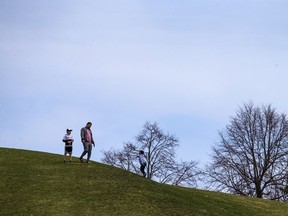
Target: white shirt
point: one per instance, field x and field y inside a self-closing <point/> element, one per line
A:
<point x="142" y="159"/>
<point x="68" y="138"/>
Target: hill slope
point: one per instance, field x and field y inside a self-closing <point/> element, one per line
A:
<point x="35" y="183"/>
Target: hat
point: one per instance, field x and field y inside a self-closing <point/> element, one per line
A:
<point x="69" y="129"/>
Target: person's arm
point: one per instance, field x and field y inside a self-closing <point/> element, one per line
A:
<point x="92" y="140"/>
<point x="83" y="136"/>
<point x="64" y="139"/>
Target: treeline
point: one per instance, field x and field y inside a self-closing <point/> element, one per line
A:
<point x="250" y="157"/>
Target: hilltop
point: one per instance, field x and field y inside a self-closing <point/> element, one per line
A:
<point x="37" y="183"/>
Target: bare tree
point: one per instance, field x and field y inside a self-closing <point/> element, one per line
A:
<point x="160" y="153"/>
<point x="183" y="173"/>
<point x="125" y="159"/>
<point x="160" y="148"/>
<point x="251" y="156"/>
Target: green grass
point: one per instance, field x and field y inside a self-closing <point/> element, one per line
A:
<point x="36" y="183"/>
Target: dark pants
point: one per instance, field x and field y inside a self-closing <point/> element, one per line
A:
<point x="142" y="169"/>
<point x="87" y="149"/>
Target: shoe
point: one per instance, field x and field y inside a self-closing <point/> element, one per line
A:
<point x="144" y="175"/>
<point x="87" y="161"/>
<point x="64" y="161"/>
<point x="81" y="160"/>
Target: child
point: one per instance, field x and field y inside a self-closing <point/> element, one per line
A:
<point x="68" y="140"/>
<point x="143" y="162"/>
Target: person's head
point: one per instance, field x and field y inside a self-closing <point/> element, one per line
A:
<point x="88" y="125"/>
<point x="69" y="130"/>
<point x="141" y="152"/>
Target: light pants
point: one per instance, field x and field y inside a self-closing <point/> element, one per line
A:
<point x="87" y="149"/>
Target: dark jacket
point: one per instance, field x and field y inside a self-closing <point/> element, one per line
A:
<point x="84" y="134"/>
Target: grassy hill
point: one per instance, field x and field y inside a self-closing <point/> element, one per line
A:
<point x="36" y="183"/>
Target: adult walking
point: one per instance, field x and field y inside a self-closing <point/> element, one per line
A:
<point x="87" y="140"/>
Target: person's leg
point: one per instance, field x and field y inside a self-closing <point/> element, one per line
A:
<point x="69" y="151"/>
<point x="89" y="152"/>
<point x="84" y="152"/>
<point x="142" y="169"/>
<point x="65" y="154"/>
<point x="144" y="174"/>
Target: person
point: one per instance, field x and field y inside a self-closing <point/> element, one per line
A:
<point x="143" y="162"/>
<point x="68" y="140"/>
<point x="87" y="140"/>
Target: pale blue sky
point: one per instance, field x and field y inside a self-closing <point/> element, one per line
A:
<point x="187" y="65"/>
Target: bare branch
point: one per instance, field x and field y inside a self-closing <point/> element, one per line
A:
<point x="250" y="157"/>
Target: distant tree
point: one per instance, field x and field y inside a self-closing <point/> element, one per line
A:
<point x="285" y="190"/>
<point x="183" y="173"/>
<point x="251" y="155"/>
<point x="160" y="152"/>
<point x="125" y="159"/>
<point x="160" y="148"/>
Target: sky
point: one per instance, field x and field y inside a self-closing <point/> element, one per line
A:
<point x="187" y="65"/>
